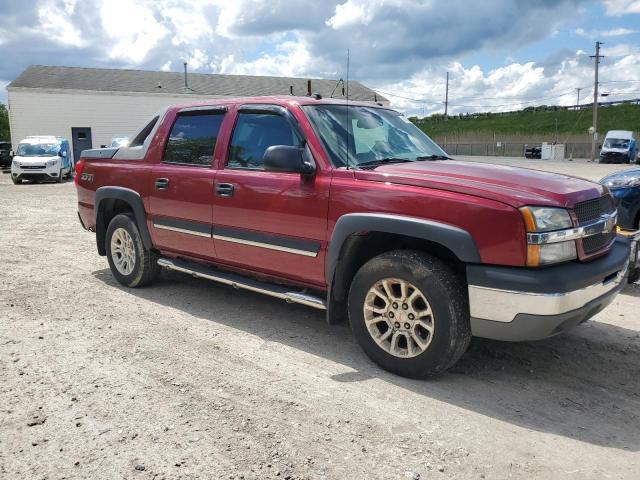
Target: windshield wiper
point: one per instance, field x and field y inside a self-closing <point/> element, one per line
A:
<point x="433" y="157"/>
<point x="383" y="161"/>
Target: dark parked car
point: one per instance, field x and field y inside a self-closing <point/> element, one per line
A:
<point x="5" y="154"/>
<point x="532" y="152"/>
<point x="625" y="187"/>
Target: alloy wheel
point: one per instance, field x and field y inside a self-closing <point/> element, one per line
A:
<point x="123" y="252"/>
<point x="398" y="317"/>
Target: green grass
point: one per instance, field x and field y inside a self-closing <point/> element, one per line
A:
<point x="618" y="117"/>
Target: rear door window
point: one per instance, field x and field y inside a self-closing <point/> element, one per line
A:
<point x="193" y="138"/>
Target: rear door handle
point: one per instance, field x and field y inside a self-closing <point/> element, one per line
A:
<point x="224" y="189"/>
<point x="162" y="183"/>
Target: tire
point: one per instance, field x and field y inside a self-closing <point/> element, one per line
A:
<point x="16" y="181"/>
<point x="59" y="179"/>
<point x="634" y="275"/>
<point x="139" y="268"/>
<point x="442" y="291"/>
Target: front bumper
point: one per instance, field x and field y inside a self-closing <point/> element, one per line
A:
<point x="36" y="173"/>
<point x="615" y="157"/>
<point x="518" y="304"/>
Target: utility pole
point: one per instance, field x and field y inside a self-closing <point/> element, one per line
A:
<point x="596" y="59"/>
<point x="446" y="99"/>
<point x="578" y="101"/>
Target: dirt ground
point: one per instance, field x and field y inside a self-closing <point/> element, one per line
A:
<point x="188" y="379"/>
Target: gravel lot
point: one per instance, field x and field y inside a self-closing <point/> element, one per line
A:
<point x="189" y="379"/>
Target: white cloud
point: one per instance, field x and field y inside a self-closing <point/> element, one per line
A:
<point x="350" y="13"/>
<point x="614" y="32"/>
<point x="514" y="86"/>
<point x="190" y="23"/>
<point x="53" y="21"/>
<point x="133" y="28"/>
<point x="198" y="59"/>
<point x="618" y="32"/>
<point x="390" y="42"/>
<point x="290" y="59"/>
<point x="618" y="8"/>
<point x="619" y="50"/>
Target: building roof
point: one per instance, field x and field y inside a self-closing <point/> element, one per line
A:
<point x="200" y="84"/>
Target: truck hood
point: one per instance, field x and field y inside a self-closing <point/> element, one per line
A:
<point x="510" y="185"/>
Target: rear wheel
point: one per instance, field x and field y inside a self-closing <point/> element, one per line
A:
<point x="409" y="313"/>
<point x="131" y="263"/>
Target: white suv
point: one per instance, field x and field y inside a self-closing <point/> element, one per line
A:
<point x="41" y="158"/>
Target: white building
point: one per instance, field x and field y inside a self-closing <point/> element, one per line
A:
<point x="90" y="106"/>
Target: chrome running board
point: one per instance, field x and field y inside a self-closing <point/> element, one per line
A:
<point x="238" y="281"/>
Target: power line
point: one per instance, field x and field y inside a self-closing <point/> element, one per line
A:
<point x="417" y="100"/>
<point x="620" y="81"/>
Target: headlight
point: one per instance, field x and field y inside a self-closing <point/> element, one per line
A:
<point x="52" y="162"/>
<point x="621" y="182"/>
<point x="16" y="163"/>
<point x="548" y="219"/>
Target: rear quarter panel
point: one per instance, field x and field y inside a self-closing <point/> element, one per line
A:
<point x="96" y="173"/>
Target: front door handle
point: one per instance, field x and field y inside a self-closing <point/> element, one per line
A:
<point x="224" y="189"/>
<point x="162" y="183"/>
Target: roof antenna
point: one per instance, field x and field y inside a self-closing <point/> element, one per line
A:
<point x="348" y="119"/>
<point x="186" y="84"/>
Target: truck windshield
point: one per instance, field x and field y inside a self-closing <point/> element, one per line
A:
<point x="616" y="143"/>
<point x="37" y="149"/>
<point x="370" y="136"/>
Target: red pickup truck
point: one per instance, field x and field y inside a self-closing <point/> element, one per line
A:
<point x="351" y="209"/>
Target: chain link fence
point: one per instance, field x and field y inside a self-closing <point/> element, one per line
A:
<point x="510" y="149"/>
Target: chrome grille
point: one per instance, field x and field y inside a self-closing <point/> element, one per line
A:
<point x="591" y="210"/>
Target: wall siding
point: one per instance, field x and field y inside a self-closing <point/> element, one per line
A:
<point x="41" y="112"/>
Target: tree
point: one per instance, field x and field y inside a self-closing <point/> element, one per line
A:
<point x="4" y="123"/>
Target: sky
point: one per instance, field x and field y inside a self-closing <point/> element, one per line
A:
<point x="500" y="54"/>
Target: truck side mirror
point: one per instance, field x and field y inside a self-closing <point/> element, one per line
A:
<point x="287" y="159"/>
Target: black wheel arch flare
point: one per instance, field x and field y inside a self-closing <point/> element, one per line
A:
<point x="128" y="196"/>
<point x="350" y="231"/>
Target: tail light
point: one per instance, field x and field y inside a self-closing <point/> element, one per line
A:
<point x="79" y="166"/>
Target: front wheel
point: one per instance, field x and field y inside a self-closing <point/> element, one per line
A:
<point x="409" y="312"/>
<point x="131" y="263"/>
<point x="16" y="180"/>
